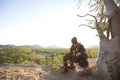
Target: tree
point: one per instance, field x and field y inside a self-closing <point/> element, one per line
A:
<point x="108" y="61"/>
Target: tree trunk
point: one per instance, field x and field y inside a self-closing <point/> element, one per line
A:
<point x="113" y="13"/>
<point x="108" y="62"/>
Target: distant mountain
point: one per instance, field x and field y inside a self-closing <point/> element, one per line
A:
<point x="32" y="46"/>
<point x="8" y="45"/>
<point x="27" y="46"/>
<point x="52" y="46"/>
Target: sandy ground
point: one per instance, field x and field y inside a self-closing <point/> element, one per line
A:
<point x="37" y="72"/>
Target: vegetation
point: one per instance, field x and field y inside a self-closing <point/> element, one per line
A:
<point x="92" y="52"/>
<point x="41" y="56"/>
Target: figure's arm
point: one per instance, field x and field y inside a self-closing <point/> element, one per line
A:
<point x="80" y="48"/>
<point x="73" y="49"/>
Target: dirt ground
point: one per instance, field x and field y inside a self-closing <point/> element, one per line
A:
<point x="37" y="72"/>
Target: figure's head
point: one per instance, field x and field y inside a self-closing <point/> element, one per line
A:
<point x="74" y="40"/>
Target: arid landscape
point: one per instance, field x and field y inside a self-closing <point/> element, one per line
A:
<point x="37" y="72"/>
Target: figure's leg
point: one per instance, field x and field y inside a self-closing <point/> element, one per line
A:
<point x="72" y="65"/>
<point x="65" y="64"/>
<point x="83" y="63"/>
<point x="72" y="61"/>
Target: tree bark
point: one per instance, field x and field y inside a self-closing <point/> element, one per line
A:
<point x="108" y="62"/>
<point x="110" y="6"/>
<point x="113" y="13"/>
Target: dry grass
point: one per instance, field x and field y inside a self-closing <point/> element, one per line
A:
<point x="36" y="72"/>
<point x="20" y="72"/>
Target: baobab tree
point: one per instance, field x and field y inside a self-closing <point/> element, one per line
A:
<point x="107" y="20"/>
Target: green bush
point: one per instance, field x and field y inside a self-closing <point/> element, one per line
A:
<point x="92" y="52"/>
<point x="16" y="55"/>
<point x="41" y="56"/>
<point x="26" y="62"/>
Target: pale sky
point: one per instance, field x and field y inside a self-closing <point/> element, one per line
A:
<point x="44" y="22"/>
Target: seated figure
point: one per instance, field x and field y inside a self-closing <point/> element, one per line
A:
<point x="77" y="54"/>
<point x="81" y="53"/>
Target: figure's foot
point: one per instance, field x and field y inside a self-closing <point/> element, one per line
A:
<point x="85" y="71"/>
<point x="71" y="67"/>
<point x="64" y="70"/>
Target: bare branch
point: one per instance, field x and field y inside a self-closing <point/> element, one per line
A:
<point x="95" y="8"/>
<point x="102" y="13"/>
<point x="89" y="2"/>
<point x="96" y="5"/>
<point x="89" y="15"/>
<point x="97" y="24"/>
<point x="79" y="3"/>
<point x="87" y="26"/>
<point x="90" y="20"/>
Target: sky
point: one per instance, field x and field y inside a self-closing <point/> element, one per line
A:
<point x="44" y="22"/>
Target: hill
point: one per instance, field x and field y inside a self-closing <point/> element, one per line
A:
<point x="27" y="46"/>
<point x="52" y="46"/>
<point x="3" y="46"/>
<point x="32" y="46"/>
